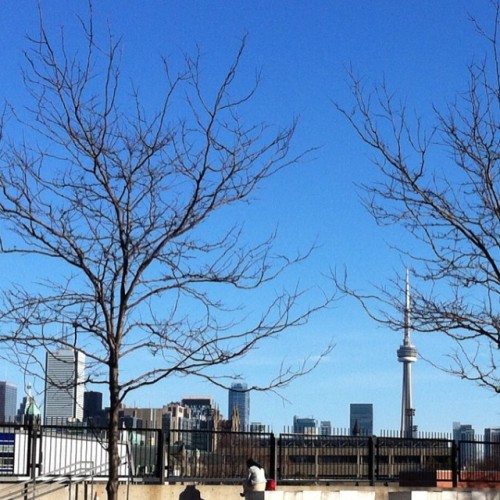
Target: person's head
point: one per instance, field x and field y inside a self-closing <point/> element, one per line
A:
<point x="251" y="462"/>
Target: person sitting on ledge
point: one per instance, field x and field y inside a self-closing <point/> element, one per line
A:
<point x="256" y="479"/>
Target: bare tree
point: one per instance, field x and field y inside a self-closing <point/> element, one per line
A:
<point x="443" y="187"/>
<point x="112" y="203"/>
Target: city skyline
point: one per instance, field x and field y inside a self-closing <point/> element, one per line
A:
<point x="302" y="54"/>
<point x="360" y="417"/>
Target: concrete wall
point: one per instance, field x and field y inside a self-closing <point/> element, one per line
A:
<point x="226" y="492"/>
<point x="448" y="494"/>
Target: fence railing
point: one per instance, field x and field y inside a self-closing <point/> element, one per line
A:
<point x="70" y="451"/>
<point x="310" y="457"/>
<point x="220" y="456"/>
<point x="479" y="461"/>
<point x="213" y="455"/>
<point x="358" y="458"/>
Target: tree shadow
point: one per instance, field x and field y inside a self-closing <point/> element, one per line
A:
<point x="190" y="493"/>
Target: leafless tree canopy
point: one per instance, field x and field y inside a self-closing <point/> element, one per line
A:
<point x="450" y="204"/>
<point x="118" y="200"/>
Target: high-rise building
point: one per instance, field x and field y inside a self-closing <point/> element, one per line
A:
<point x="28" y="410"/>
<point x="142" y="418"/>
<point x="204" y="416"/>
<point x="466" y="434"/>
<point x="92" y="408"/>
<point x="175" y="416"/>
<point x="21" y="411"/>
<point x="305" y="425"/>
<point x="491" y="449"/>
<point x="492" y="434"/>
<point x="361" y="419"/>
<point x="8" y="402"/>
<point x="201" y="407"/>
<point x="203" y="411"/>
<point x="176" y="419"/>
<point x="257" y="427"/>
<point x="239" y="396"/>
<point x="64" y="386"/>
<point x="407" y="354"/>
<point x="325" y="428"/>
<point x="463" y="432"/>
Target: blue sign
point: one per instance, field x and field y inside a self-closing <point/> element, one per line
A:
<point x="7" y="447"/>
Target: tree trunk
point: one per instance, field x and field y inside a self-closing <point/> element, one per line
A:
<point x="113" y="431"/>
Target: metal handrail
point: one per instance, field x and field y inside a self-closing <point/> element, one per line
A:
<point x="28" y="486"/>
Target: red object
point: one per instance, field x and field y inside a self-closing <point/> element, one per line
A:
<point x="270" y="485"/>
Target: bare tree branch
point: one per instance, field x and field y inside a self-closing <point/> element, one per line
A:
<point x="116" y="200"/>
<point x="451" y="209"/>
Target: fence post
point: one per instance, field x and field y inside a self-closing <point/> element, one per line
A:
<point x="160" y="459"/>
<point x="33" y="436"/>
<point x="272" y="458"/>
<point x="371" y="460"/>
<point x="29" y="454"/>
<point x="454" y="463"/>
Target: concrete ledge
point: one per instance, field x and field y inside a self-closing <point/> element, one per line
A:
<point x="451" y="494"/>
<point x="232" y="492"/>
<point x="319" y="495"/>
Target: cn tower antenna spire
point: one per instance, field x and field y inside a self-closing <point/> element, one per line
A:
<point x="407" y="340"/>
<point x="407" y="354"/>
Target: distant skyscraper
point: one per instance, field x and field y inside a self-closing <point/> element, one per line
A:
<point x="492" y="451"/>
<point x="239" y="396"/>
<point x="175" y="417"/>
<point x="64" y="386"/>
<point x="257" y="427"/>
<point x="204" y="416"/>
<point x="8" y="402"/>
<point x="201" y="407"/>
<point x="203" y="411"/>
<point x="361" y="419"/>
<point x="325" y="428"/>
<point x="463" y="432"/>
<point x="492" y="434"/>
<point x="466" y="434"/>
<point x="407" y="354"/>
<point x="92" y="408"/>
<point x="142" y="418"/>
<point x="28" y="410"/>
<point x="305" y="425"/>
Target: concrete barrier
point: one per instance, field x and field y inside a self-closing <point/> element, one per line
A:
<point x="232" y="492"/>
<point x="318" y="495"/>
<point x="313" y="492"/>
<point x="448" y="494"/>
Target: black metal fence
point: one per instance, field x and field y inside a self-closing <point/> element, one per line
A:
<point x="212" y="455"/>
<point x="74" y="451"/>
<point x="220" y="456"/>
<point x="362" y="458"/>
<point x="289" y="458"/>
<point x="315" y="458"/>
<point x="415" y="460"/>
<point x="479" y="461"/>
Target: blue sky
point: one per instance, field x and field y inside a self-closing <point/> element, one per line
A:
<point x="303" y="49"/>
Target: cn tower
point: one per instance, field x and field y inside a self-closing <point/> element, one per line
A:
<point x="407" y="354"/>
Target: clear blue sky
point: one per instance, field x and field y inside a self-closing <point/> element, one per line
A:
<point x="421" y="48"/>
